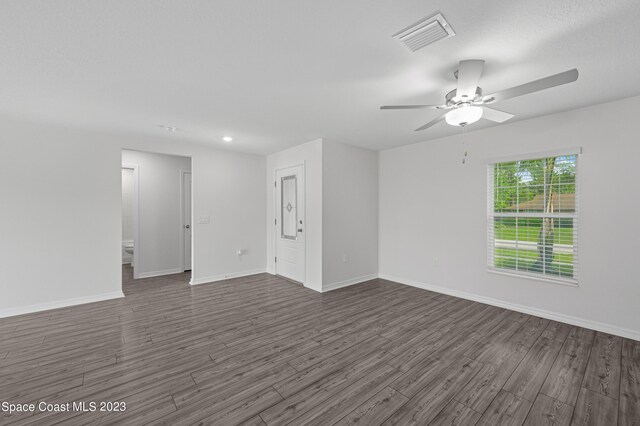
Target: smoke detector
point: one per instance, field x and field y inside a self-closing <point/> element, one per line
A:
<point x="425" y="32"/>
<point x="170" y="129"/>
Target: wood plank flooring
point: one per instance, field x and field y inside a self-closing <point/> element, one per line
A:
<point x="261" y="350"/>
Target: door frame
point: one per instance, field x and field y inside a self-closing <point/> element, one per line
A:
<point x="135" y="262"/>
<point x="276" y="234"/>
<point x="182" y="218"/>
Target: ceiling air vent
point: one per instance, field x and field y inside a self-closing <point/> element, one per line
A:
<point x="425" y="32"/>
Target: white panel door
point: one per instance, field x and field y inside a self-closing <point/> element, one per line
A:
<point x="186" y="218"/>
<point x="289" y="223"/>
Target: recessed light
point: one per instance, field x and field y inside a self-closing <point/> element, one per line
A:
<point x="227" y="138"/>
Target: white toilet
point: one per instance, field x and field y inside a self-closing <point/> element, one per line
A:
<point x="128" y="247"/>
<point x="127" y="252"/>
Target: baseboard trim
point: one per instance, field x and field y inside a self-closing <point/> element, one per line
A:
<point x="222" y="277"/>
<point x="347" y="283"/>
<point x="160" y="273"/>
<point x="39" y="307"/>
<point x="555" y="316"/>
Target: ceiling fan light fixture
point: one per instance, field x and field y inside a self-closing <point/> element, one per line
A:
<point x="463" y="115"/>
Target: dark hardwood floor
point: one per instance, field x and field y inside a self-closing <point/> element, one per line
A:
<point x="262" y="350"/>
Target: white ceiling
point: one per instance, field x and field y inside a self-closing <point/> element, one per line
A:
<point x="278" y="73"/>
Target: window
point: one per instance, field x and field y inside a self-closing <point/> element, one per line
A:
<point x="288" y="208"/>
<point x="533" y="217"/>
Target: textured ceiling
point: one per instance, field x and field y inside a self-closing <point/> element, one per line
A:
<point x="274" y="74"/>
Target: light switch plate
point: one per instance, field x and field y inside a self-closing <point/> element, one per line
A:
<point x="204" y="220"/>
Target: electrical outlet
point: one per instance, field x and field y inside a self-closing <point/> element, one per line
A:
<point x="344" y="258"/>
<point x="436" y="261"/>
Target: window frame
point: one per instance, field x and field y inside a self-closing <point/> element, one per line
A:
<point x="491" y="215"/>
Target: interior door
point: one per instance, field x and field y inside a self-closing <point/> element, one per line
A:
<point x="290" y="223"/>
<point x="186" y="215"/>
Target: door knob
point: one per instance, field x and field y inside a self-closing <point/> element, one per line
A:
<point x="299" y="229"/>
<point x="187" y="226"/>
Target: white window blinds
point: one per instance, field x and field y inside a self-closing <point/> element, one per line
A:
<point x="532" y="212"/>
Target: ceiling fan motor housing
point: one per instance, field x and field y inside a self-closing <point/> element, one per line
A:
<point x="452" y="100"/>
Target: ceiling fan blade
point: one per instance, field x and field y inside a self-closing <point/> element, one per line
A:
<point x="469" y="73"/>
<point x="409" y="106"/>
<point x="496" y="115"/>
<point x="431" y="123"/>
<point x="535" y="86"/>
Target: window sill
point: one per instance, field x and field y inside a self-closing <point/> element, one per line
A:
<point x="561" y="281"/>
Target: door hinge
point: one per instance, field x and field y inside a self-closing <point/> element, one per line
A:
<point x="275" y="222"/>
<point x="275" y="259"/>
<point x="275" y="183"/>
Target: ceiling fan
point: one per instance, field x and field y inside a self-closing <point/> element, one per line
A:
<point x="466" y="104"/>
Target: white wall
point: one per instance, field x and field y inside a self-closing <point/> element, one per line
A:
<point x="309" y="154"/>
<point x="349" y="214"/>
<point x="159" y="245"/>
<point x="60" y="220"/>
<point x="433" y="206"/>
<point x="228" y="187"/>
<point x="127" y="204"/>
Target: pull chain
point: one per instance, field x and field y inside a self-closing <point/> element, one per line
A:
<point x="465" y="154"/>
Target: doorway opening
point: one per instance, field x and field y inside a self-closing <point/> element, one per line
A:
<point x="156" y="215"/>
<point x="129" y="214"/>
